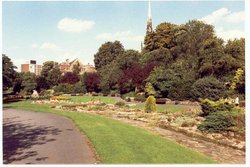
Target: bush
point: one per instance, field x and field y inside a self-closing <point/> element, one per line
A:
<point x="140" y="97"/>
<point x="208" y="87"/>
<point x="150" y="105"/>
<point x="79" y="88"/>
<point x="94" y="94"/>
<point x="120" y="104"/>
<point x="65" y="88"/>
<point x="209" y="106"/>
<point x="219" y="121"/>
<point x="113" y="93"/>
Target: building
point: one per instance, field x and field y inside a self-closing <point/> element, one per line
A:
<point x="68" y="66"/>
<point x="31" y="67"/>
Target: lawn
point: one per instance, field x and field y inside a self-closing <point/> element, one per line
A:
<point x="120" y="143"/>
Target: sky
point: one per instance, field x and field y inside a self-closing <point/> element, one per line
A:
<point x="57" y="31"/>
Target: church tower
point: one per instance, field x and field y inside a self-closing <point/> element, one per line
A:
<point x="149" y="20"/>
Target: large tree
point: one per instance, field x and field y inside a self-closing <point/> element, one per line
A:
<point x="107" y="53"/>
<point x="9" y="72"/>
<point x="51" y="73"/>
<point x="29" y="82"/>
<point x="70" y="78"/>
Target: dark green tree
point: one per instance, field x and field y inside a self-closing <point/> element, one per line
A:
<point x="208" y="87"/>
<point x="51" y="73"/>
<point x="29" y="82"/>
<point x="107" y="53"/>
<point x="9" y="73"/>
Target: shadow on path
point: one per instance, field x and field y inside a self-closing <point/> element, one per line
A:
<point x="19" y="136"/>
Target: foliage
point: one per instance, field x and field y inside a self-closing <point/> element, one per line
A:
<point x="120" y="104"/>
<point x="208" y="87"/>
<point x="219" y="121"/>
<point x="77" y="68"/>
<point x="70" y="78"/>
<point x="238" y="83"/>
<point x="91" y="81"/>
<point x="28" y="82"/>
<point x="150" y="105"/>
<point x="209" y="106"/>
<point x="109" y="77"/>
<point x="79" y="87"/>
<point x="107" y="53"/>
<point x="41" y="83"/>
<point x="149" y="89"/>
<point x="9" y="73"/>
<point x="164" y="81"/>
<point x="65" y="88"/>
<point x="140" y="97"/>
<point x="51" y="73"/>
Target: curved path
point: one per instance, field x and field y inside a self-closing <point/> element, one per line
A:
<point x="43" y="138"/>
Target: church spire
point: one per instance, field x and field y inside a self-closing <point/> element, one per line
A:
<point x="149" y="21"/>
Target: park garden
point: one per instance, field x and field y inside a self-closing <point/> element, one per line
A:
<point x="184" y="80"/>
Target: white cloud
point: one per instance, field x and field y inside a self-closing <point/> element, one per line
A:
<point x="215" y="16"/>
<point x="229" y="34"/>
<point x="236" y="17"/>
<point x="48" y="45"/>
<point x="226" y="23"/>
<point x="224" y="15"/>
<point x="122" y="36"/>
<point x="34" y="45"/>
<point x="75" y="25"/>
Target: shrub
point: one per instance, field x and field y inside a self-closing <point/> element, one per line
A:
<point x="65" y="88"/>
<point x="113" y="93"/>
<point x="209" y="106"/>
<point x="100" y="94"/>
<point x="94" y="94"/>
<point x="219" y="121"/>
<point x="140" y="97"/>
<point x="120" y="104"/>
<point x="150" y="105"/>
<point x="208" y="87"/>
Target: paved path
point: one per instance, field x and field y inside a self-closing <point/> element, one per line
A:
<point x="43" y="138"/>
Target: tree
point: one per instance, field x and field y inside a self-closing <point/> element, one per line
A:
<point x="70" y="78"/>
<point x="208" y="87"/>
<point x="128" y="59"/>
<point x="107" y="53"/>
<point x="41" y="83"/>
<point x="17" y="85"/>
<point x="163" y="37"/>
<point x="109" y="77"/>
<point x="91" y="81"/>
<point x="77" y="68"/>
<point x="9" y="73"/>
<point x="159" y="57"/>
<point x="149" y="89"/>
<point x="238" y="83"/>
<point x="51" y="73"/>
<point x="164" y="81"/>
<point x="150" y="104"/>
<point x="29" y="82"/>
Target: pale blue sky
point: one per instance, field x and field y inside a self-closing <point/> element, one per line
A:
<point x="32" y="30"/>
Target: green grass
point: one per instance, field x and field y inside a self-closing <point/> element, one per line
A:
<point x="105" y="99"/>
<point x="121" y="143"/>
<point x="165" y="108"/>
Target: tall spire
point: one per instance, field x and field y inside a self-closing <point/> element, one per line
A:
<point x="149" y="21"/>
<point x="149" y="10"/>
